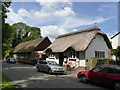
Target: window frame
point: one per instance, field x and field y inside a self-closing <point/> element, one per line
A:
<point x="115" y="70"/>
<point x="101" y="69"/>
<point x="72" y="54"/>
<point x="99" y="54"/>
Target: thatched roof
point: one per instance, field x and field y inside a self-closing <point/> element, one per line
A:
<point x="28" y="46"/>
<point x="78" y="40"/>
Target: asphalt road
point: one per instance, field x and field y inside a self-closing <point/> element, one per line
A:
<point x="26" y="76"/>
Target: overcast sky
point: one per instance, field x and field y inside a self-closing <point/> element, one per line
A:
<point x="55" y="18"/>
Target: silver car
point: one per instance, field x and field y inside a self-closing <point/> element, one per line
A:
<point x="49" y="66"/>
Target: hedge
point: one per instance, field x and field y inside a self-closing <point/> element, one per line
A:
<point x="94" y="62"/>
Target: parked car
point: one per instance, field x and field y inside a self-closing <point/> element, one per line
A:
<point x="105" y="74"/>
<point x="11" y="60"/>
<point x="49" y="66"/>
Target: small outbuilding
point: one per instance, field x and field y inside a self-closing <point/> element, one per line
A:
<point x="26" y="51"/>
<point x="76" y="48"/>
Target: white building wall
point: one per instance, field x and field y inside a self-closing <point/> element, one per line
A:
<point x="82" y="63"/>
<point x="115" y="41"/>
<point x="98" y="44"/>
<point x="118" y="39"/>
<point x="55" y="58"/>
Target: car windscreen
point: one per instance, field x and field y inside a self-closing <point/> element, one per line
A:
<point x="102" y="69"/>
<point x="51" y="62"/>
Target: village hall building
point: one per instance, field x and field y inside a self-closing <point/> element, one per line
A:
<point x="79" y="46"/>
<point x="23" y="52"/>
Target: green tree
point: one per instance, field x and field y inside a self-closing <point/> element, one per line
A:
<point x="6" y="28"/>
<point x="22" y="33"/>
<point x="116" y="52"/>
<point x="5" y="6"/>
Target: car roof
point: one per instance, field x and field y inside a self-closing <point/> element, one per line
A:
<point x="42" y="60"/>
<point x="109" y="65"/>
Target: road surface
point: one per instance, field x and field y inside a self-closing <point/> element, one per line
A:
<point x="26" y="76"/>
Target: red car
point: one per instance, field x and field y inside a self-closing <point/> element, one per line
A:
<point x="106" y="74"/>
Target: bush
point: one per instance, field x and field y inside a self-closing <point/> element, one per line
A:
<point x="94" y="62"/>
<point x="5" y="83"/>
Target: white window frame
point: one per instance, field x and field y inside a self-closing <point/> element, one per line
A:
<point x="99" y="54"/>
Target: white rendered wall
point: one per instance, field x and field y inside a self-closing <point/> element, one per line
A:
<point x="119" y="39"/>
<point x="56" y="58"/>
<point x="82" y="63"/>
<point x="115" y="41"/>
<point x="98" y="44"/>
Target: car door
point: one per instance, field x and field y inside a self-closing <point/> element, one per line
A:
<point x="99" y="74"/>
<point x="41" y="65"/>
<point x="113" y="73"/>
<point x="45" y="66"/>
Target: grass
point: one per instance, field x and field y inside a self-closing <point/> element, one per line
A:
<point x="5" y="83"/>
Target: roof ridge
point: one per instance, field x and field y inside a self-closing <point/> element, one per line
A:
<point x="115" y="35"/>
<point x="32" y="40"/>
<point x="76" y="32"/>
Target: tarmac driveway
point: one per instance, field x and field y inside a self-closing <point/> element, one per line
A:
<point x="26" y="76"/>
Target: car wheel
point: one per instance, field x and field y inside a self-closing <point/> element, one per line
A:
<point x="117" y="85"/>
<point x="38" y="69"/>
<point x="50" y="71"/>
<point x="83" y="79"/>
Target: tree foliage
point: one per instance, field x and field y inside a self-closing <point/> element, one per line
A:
<point x="22" y="33"/>
<point x="15" y="34"/>
<point x="5" y="6"/>
<point x="6" y="28"/>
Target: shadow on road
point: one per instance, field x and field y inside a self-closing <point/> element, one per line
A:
<point x="26" y="76"/>
<point x="106" y="87"/>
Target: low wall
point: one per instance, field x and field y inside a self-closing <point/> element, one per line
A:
<point x="67" y="67"/>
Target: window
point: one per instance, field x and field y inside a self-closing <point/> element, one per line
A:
<point x="51" y="55"/>
<point x="36" y="56"/>
<point x="102" y="69"/>
<point x="72" y="54"/>
<point x="118" y="70"/>
<point x="99" y="54"/>
<point x="18" y="55"/>
<point x="114" y="70"/>
<point x="51" y="62"/>
<point x="21" y="56"/>
<point x="41" y="62"/>
<point x="44" y="62"/>
<point x="26" y="55"/>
